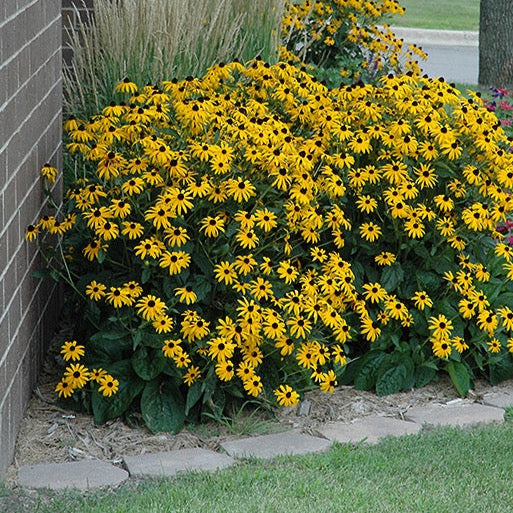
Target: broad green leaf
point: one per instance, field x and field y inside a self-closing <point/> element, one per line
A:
<point x="501" y="370"/>
<point x="148" y="363"/>
<point x="460" y="377"/>
<point x="162" y="407"/>
<point x="391" y="277"/>
<point x="367" y="371"/>
<point x="106" y="408"/>
<point x="424" y="375"/>
<point x="427" y="280"/>
<point x="193" y="396"/>
<point x="392" y="380"/>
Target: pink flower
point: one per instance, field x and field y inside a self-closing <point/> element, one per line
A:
<point x="506" y="122"/>
<point x="505" y="106"/>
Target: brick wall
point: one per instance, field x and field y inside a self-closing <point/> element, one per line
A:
<point x="30" y="136"/>
<point x="73" y="12"/>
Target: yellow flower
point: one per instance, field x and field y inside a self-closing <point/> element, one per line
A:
<point x="95" y="291"/>
<point x="150" y="307"/>
<point x="49" y="172"/>
<point x="370" y="231"/>
<point x="286" y="396"/>
<point x="212" y="226"/>
<point x="192" y="375"/>
<point x="421" y="300"/>
<point x="385" y="258"/>
<point x="64" y="388"/>
<point x="126" y="86"/>
<point x="108" y="385"/>
<point x="328" y="382"/>
<point x="77" y="375"/>
<point x="72" y="351"/>
<point x="186" y="295"/>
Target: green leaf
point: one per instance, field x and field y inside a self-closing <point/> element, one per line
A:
<point x="427" y="280"/>
<point x="501" y="370"/>
<point x="460" y="377"/>
<point x="145" y="275"/>
<point x="367" y="371"/>
<point x="108" y="346"/>
<point x="199" y="258"/>
<point x="391" y="277"/>
<point x="148" y="363"/>
<point x="162" y="407"/>
<point x="106" y="408"/>
<point x="193" y="396"/>
<point x="392" y="380"/>
<point x="424" y="375"/>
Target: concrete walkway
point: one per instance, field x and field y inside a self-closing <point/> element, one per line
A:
<point x="91" y="474"/>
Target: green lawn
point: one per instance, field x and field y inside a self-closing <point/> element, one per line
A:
<point x="443" y="470"/>
<point x="439" y="14"/>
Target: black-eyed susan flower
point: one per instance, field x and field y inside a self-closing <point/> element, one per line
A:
<point x="421" y="300"/>
<point x="247" y="239"/>
<point x="459" y="344"/>
<point x="95" y="291"/>
<point x="192" y="375"/>
<point x="328" y="382"/>
<point x="150" y="307"/>
<point x="370" y="231"/>
<point x="126" y="86"/>
<point x="220" y="348"/>
<point x="108" y="385"/>
<point x="64" y="388"/>
<point x="287" y="272"/>
<point x="72" y="350"/>
<point x="487" y="321"/>
<point x="118" y="297"/>
<point x="49" y="172"/>
<point x="186" y="295"/>
<point x="31" y="232"/>
<point x="171" y="347"/>
<point x="182" y="359"/>
<point x="77" y="375"/>
<point x="441" y="348"/>
<point x="374" y="292"/>
<point x="253" y="386"/>
<point x="225" y="272"/>
<point x="225" y="370"/>
<point x="440" y="326"/>
<point x="132" y="229"/>
<point x="494" y="346"/>
<point x="212" y="226"/>
<point x="286" y="396"/>
<point x="175" y="261"/>
<point x="163" y="324"/>
<point x="97" y="374"/>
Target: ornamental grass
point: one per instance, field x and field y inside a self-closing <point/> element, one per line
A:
<point x="169" y="39"/>
<point x="252" y="233"/>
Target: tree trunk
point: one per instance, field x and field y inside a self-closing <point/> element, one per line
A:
<point x="496" y="43"/>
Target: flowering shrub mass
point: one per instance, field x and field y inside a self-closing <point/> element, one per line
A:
<point x="344" y="35"/>
<point x="252" y="232"/>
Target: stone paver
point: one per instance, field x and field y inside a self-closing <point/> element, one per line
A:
<point x="454" y="415"/>
<point x="369" y="429"/>
<point x="499" y="399"/>
<point x="171" y="462"/>
<point x="84" y="475"/>
<point x="269" y="446"/>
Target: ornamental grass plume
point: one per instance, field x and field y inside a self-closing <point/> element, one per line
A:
<point x="149" y="42"/>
